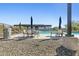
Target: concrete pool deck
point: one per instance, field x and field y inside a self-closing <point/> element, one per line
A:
<point x="35" y="37"/>
<point x="39" y="36"/>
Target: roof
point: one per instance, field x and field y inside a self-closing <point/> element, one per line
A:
<point x="33" y="25"/>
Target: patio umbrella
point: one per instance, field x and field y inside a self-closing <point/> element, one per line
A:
<point x="60" y="21"/>
<point x="20" y="25"/>
<point x="31" y="24"/>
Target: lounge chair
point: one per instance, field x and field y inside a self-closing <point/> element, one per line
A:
<point x="29" y="34"/>
<point x="59" y="33"/>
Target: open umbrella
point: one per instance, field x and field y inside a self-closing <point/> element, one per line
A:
<point x="60" y="21"/>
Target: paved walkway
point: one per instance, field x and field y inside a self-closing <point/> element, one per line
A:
<point x="17" y="35"/>
<point x="24" y="35"/>
<point x="36" y="36"/>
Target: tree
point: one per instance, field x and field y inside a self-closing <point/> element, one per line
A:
<point x="75" y="26"/>
<point x="55" y="28"/>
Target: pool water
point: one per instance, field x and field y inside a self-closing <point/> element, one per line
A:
<point x="48" y="33"/>
<point x="44" y="32"/>
<point x="76" y="34"/>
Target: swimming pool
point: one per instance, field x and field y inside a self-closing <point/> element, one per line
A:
<point x="48" y="33"/>
<point x="75" y="33"/>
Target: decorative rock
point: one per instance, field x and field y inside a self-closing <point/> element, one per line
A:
<point x="62" y="51"/>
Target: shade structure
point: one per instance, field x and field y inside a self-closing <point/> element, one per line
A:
<point x="60" y="21"/>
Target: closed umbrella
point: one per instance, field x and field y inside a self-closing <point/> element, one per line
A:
<point x="60" y="21"/>
<point x="20" y="25"/>
<point x="31" y="24"/>
<point x="60" y="30"/>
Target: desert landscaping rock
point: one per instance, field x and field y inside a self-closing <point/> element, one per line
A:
<point x="62" y="51"/>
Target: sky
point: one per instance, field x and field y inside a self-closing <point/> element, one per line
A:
<point x="42" y="13"/>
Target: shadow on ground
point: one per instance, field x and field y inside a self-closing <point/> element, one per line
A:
<point x="23" y="38"/>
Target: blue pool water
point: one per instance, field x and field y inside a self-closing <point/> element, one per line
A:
<point x="44" y="32"/>
<point x="75" y="33"/>
<point x="48" y="33"/>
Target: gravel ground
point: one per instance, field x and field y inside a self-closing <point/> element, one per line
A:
<point x="29" y="47"/>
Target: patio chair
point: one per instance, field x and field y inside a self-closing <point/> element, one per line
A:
<point x="59" y="33"/>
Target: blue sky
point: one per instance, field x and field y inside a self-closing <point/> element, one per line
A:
<point x="42" y="13"/>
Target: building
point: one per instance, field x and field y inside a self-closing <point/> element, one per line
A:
<point x="36" y="26"/>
